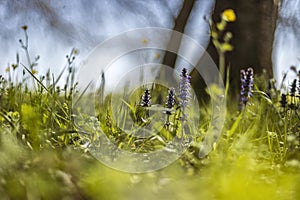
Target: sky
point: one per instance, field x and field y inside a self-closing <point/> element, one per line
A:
<point x="55" y="27"/>
<point x="286" y="48"/>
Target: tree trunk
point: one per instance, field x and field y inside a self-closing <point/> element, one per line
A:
<point x="174" y="43"/>
<point x="253" y="35"/>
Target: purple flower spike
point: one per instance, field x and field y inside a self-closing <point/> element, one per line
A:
<point x="146" y="99"/>
<point x="170" y="100"/>
<point x="184" y="88"/>
<point x="246" y="85"/>
<point x="293" y="88"/>
<point x="283" y="101"/>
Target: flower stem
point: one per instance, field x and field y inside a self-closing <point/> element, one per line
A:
<point x="222" y="64"/>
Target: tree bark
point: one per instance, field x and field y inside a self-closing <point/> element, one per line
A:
<point x="253" y="35"/>
<point x="169" y="58"/>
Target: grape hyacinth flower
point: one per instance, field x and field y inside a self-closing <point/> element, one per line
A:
<point x="170" y="100"/>
<point x="293" y="90"/>
<point x="184" y="91"/>
<point x="146" y="99"/>
<point x="246" y="85"/>
<point x="169" y="105"/>
<point x="283" y="101"/>
<point x="298" y="88"/>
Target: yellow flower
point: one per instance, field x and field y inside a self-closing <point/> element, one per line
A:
<point x="157" y="56"/>
<point x="14" y="66"/>
<point x="24" y="27"/>
<point x="75" y="51"/>
<point x="229" y="15"/>
<point x="145" y="41"/>
<point x="33" y="71"/>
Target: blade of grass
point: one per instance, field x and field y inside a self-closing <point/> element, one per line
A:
<point x="83" y="92"/>
<point x="35" y="78"/>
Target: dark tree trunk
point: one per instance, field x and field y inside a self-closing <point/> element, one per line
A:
<point x="180" y="23"/>
<point x="169" y="58"/>
<point x="253" y="35"/>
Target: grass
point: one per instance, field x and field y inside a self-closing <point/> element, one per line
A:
<point x="46" y="145"/>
